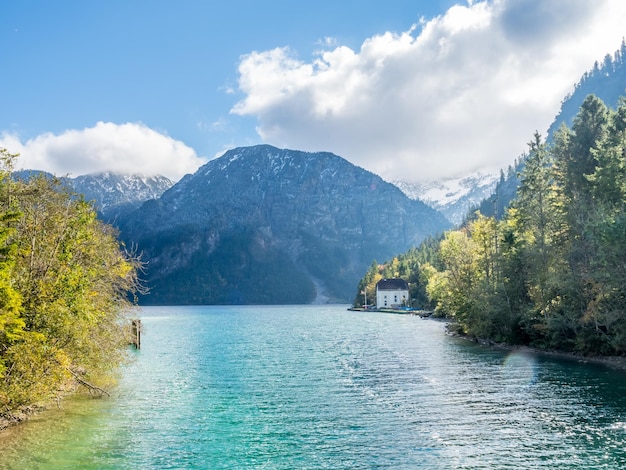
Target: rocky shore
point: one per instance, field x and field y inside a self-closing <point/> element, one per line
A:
<point x="16" y="417"/>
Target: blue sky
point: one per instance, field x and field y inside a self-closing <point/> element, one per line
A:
<point x="411" y="90"/>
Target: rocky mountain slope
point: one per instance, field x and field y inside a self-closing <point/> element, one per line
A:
<point x="115" y="195"/>
<point x="266" y="225"/>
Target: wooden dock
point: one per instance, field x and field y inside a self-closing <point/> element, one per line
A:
<point x="135" y="329"/>
<point x="400" y="311"/>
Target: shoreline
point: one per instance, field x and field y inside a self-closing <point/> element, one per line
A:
<point x="617" y="363"/>
<point x="13" y="418"/>
<point x="20" y="416"/>
<point x="613" y="362"/>
<point x="400" y="311"/>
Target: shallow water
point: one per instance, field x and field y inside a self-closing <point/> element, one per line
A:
<point x="321" y="387"/>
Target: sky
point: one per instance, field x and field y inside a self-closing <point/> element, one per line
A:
<point x="412" y="90"/>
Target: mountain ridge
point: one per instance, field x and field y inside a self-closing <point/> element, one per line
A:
<point x="116" y="194"/>
<point x="313" y="215"/>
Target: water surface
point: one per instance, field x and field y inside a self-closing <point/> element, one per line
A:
<point x="321" y="387"/>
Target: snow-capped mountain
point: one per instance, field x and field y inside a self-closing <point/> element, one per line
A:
<point x="115" y="194"/>
<point x="453" y="197"/>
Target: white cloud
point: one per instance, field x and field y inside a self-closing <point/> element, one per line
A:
<point x="457" y="93"/>
<point x="127" y="148"/>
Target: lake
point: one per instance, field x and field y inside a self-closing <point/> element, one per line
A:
<point x="299" y="387"/>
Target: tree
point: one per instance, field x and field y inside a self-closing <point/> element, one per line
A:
<point x="535" y="214"/>
<point x="11" y="324"/>
<point x="453" y="288"/>
<point x="606" y="229"/>
<point x="575" y="156"/>
<point x="72" y="280"/>
<point x="367" y="287"/>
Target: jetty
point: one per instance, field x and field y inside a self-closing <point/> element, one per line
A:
<point x="398" y="310"/>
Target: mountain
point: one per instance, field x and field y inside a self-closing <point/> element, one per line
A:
<point x="116" y="195"/>
<point x="503" y="193"/>
<point x="26" y="175"/>
<point x="113" y="195"/>
<point x="272" y="226"/>
<point x="607" y="81"/>
<point x="453" y="197"/>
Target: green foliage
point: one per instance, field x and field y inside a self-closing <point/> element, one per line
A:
<point x="408" y="266"/>
<point x="64" y="284"/>
<point x="552" y="271"/>
<point x="366" y="293"/>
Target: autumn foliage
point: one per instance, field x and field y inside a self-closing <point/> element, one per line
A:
<point x="65" y="285"/>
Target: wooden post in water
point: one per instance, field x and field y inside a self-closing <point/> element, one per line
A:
<point x="136" y="333"/>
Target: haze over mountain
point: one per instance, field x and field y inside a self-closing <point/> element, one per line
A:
<point x="606" y="80"/>
<point x="268" y="225"/>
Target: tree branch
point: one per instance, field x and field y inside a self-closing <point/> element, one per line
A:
<point x="92" y="388"/>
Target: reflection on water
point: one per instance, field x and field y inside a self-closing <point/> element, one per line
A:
<point x="321" y="387"/>
<point x="520" y="368"/>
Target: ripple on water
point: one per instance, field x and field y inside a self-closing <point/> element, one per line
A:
<point x="320" y="387"/>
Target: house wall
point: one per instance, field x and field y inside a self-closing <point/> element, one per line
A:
<point x="391" y="298"/>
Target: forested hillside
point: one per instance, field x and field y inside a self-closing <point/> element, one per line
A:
<point x="606" y="80"/>
<point x="64" y="283"/>
<point x="552" y="272"/>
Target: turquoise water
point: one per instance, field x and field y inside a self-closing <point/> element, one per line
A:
<point x="320" y="387"/>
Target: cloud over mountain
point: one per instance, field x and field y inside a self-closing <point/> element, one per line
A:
<point x="125" y="148"/>
<point x="460" y="92"/>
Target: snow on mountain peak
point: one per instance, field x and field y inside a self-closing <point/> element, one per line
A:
<point x="453" y="197"/>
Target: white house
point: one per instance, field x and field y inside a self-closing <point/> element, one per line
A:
<point x="392" y="293"/>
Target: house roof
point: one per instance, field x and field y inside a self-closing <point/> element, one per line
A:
<point x="392" y="284"/>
